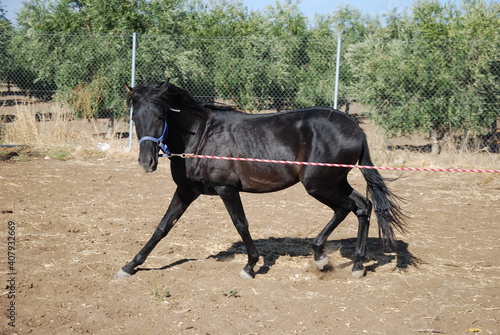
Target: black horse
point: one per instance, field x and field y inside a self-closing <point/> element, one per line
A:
<point x="169" y="118"/>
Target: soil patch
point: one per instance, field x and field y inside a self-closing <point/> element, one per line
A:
<point x="78" y="222"/>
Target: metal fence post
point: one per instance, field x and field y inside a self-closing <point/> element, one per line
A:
<point x="337" y="71"/>
<point x="132" y="84"/>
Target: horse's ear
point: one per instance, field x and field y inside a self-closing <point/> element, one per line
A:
<point x="164" y="87"/>
<point x="129" y="89"/>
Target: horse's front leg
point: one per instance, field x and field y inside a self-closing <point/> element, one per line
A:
<point x="231" y="198"/>
<point x="180" y="202"/>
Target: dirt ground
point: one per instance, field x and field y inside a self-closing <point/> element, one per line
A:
<point x="78" y="221"/>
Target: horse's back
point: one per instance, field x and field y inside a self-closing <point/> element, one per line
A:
<point x="316" y="134"/>
<point x="297" y="128"/>
<point x="325" y="134"/>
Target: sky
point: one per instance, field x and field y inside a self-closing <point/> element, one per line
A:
<point x="308" y="7"/>
<point x="311" y="7"/>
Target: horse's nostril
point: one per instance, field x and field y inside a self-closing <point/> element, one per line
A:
<point x="151" y="161"/>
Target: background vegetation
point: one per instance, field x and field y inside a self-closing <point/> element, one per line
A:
<point x="433" y="69"/>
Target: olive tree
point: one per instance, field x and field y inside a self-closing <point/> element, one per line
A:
<point x="437" y="71"/>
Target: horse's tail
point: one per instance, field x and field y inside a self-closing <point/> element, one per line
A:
<point x="388" y="211"/>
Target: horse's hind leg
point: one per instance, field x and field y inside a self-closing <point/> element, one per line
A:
<point x="363" y="212"/>
<point x="341" y="205"/>
<point x="319" y="242"/>
<point x="232" y="201"/>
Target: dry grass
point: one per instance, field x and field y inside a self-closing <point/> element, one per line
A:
<point x="52" y="127"/>
<point x="447" y="159"/>
<point x="450" y="156"/>
<point x="57" y="128"/>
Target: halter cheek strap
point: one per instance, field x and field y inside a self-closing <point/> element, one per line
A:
<point x="159" y="140"/>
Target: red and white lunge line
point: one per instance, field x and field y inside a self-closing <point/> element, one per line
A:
<point x="334" y="165"/>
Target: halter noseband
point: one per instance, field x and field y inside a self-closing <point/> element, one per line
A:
<point x="159" y="140"/>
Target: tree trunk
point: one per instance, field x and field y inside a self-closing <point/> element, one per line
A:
<point x="111" y="127"/>
<point x="436" y="137"/>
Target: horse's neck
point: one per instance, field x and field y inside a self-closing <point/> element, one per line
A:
<point x="188" y="129"/>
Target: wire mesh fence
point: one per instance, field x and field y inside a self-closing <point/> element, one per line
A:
<point x="446" y="89"/>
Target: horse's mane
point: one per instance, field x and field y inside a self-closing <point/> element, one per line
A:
<point x="219" y="107"/>
<point x="175" y="97"/>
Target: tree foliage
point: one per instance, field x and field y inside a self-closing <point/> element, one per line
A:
<point x="5" y="35"/>
<point x="434" y="68"/>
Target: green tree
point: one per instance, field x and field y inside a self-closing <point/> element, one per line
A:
<point x="286" y="58"/>
<point x="5" y="35"/>
<point x="353" y="27"/>
<point x="52" y="54"/>
<point x="85" y="16"/>
<point x="436" y="76"/>
<point x="219" y="19"/>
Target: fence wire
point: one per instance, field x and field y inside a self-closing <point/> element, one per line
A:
<point x="447" y="89"/>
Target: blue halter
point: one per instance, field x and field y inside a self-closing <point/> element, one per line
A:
<point x="159" y="140"/>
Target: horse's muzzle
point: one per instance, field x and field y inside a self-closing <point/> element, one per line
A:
<point x="148" y="156"/>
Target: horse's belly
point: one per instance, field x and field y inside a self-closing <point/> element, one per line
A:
<point x="267" y="177"/>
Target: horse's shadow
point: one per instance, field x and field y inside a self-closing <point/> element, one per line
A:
<point x="171" y="265"/>
<point x="273" y="248"/>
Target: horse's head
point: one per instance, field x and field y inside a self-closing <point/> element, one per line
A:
<point x="150" y="105"/>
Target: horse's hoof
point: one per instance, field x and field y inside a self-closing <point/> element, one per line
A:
<point x="246" y="275"/>
<point x="322" y="262"/>
<point x="122" y="275"/>
<point x="358" y="273"/>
